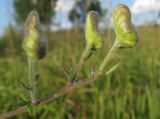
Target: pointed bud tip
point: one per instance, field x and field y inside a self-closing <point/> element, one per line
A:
<point x="92" y="14"/>
<point x="92" y="19"/>
<point x="93" y="35"/>
<point x="32" y="19"/>
<point x="33" y="15"/>
<point x="120" y="6"/>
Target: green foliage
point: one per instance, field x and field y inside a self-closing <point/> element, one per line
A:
<point x="10" y="42"/>
<point x="130" y="92"/>
<point x="24" y="97"/>
<point x="45" y="8"/>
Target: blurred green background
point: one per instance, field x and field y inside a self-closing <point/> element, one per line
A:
<point x="131" y="92"/>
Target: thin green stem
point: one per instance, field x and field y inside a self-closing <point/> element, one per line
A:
<point x="85" y="54"/>
<point x="53" y="96"/>
<point x="108" y="56"/>
<point x="32" y="80"/>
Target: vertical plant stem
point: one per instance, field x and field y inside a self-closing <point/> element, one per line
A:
<point x="108" y="56"/>
<point x="84" y="56"/>
<point x="32" y="80"/>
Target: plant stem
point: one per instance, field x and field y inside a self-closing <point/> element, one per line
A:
<point x="85" y="54"/>
<point x="32" y="80"/>
<point x="66" y="89"/>
<point x="108" y="56"/>
<point x="51" y="97"/>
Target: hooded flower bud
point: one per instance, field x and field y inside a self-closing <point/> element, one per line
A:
<point x="34" y="43"/>
<point x="92" y="32"/>
<point x="125" y="31"/>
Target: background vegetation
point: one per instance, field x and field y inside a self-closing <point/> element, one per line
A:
<point x="131" y="92"/>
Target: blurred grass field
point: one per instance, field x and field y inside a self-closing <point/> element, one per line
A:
<point x="131" y="92"/>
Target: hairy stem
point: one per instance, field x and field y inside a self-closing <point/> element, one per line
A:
<point x="84" y="56"/>
<point x="32" y="79"/>
<point x="108" y="56"/>
<point x="66" y="89"/>
<point x="60" y="93"/>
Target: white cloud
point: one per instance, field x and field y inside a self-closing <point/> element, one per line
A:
<point x="64" y="5"/>
<point x="140" y="6"/>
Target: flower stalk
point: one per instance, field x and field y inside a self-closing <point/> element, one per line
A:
<point x="108" y="56"/>
<point x="83" y="58"/>
<point x="32" y="79"/>
<point x="34" y="45"/>
<point x="94" y="40"/>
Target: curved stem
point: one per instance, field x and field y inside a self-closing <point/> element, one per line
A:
<point x="108" y="56"/>
<point x="69" y="88"/>
<point x="85" y="54"/>
<point x="51" y="97"/>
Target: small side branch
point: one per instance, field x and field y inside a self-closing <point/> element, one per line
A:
<point x="15" y="112"/>
<point x="49" y="98"/>
<point x="60" y="93"/>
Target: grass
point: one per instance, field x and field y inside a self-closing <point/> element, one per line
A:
<point x="131" y="92"/>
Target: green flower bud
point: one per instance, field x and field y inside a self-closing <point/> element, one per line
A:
<point x="92" y="32"/>
<point x="34" y="43"/>
<point x="125" y="31"/>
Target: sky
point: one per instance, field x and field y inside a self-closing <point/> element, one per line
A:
<point x="142" y="11"/>
<point x="6" y="14"/>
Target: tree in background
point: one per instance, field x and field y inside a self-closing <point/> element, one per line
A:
<point x="78" y="14"/>
<point x="74" y="16"/>
<point x="45" y="8"/>
<point x="158" y="19"/>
